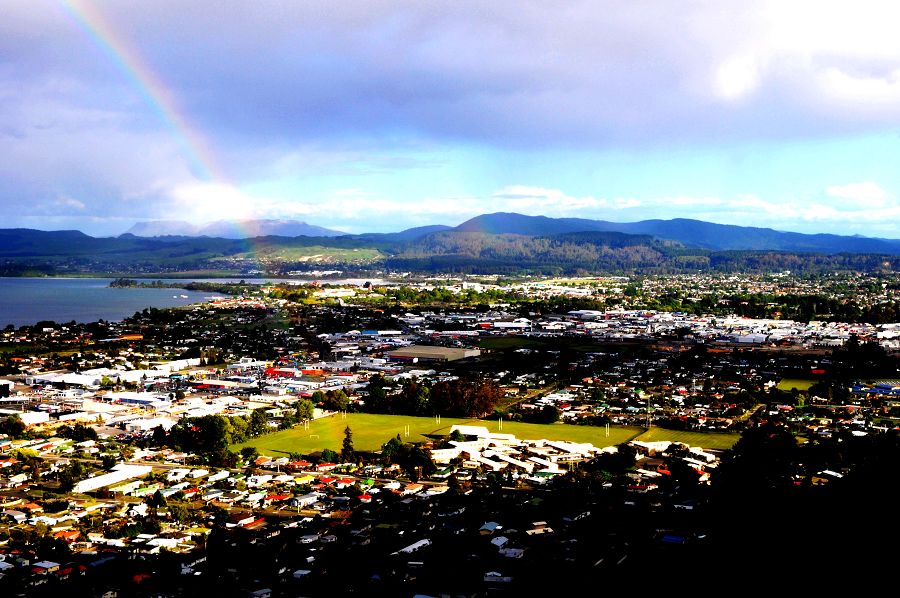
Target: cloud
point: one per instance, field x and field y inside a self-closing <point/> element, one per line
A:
<point x="554" y="201"/>
<point x="519" y="73"/>
<point x="687" y="201"/>
<point x="297" y="97"/>
<point x="863" y="195"/>
<point x="737" y="77"/>
<point x="70" y="202"/>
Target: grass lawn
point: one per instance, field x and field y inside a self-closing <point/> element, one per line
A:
<point x="788" y="383"/>
<point x="371" y="431"/>
<point x="315" y="253"/>
<point x="708" y="440"/>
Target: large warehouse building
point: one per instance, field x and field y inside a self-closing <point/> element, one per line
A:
<point x="415" y="353"/>
<point x="119" y="473"/>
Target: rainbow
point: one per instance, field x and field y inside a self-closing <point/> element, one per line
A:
<point x="148" y="84"/>
<point x="155" y="93"/>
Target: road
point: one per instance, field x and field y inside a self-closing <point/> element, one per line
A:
<point x="533" y="393"/>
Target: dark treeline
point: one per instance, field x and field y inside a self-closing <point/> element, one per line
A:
<point x="226" y="288"/>
<point x="583" y="253"/>
<point x="510" y="254"/>
<point x="801" y="308"/>
<point x="455" y="398"/>
<point x="30" y="253"/>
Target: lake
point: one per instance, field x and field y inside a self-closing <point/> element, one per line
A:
<point x="25" y="301"/>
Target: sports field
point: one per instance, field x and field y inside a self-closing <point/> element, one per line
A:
<point x="790" y="383"/>
<point x="371" y="431"/>
<point x="708" y="440"/>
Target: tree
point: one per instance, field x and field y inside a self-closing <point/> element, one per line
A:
<point x="416" y="462"/>
<point x="330" y="456"/>
<point x="348" y="455"/>
<point x="377" y="400"/>
<point x="35" y="465"/>
<point x="157" y="500"/>
<point x="70" y="475"/>
<point x="13" y="426"/>
<point x="548" y="415"/>
<point x="249" y="454"/>
<point x="391" y="448"/>
<point x="259" y="422"/>
<point x="222" y="458"/>
<point x="305" y="410"/>
<point x="336" y="400"/>
<point x="414" y="399"/>
<point x="178" y="512"/>
<point x="79" y="432"/>
<point x="159" y="436"/>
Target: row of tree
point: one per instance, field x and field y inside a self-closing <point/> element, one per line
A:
<point x="455" y="398"/>
<point x="215" y="433"/>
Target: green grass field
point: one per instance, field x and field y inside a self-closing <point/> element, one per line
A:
<point x="787" y="384"/>
<point x="708" y="440"/>
<point x="314" y="254"/>
<point x="371" y="431"/>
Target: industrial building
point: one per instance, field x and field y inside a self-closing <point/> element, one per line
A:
<point x="415" y="353"/>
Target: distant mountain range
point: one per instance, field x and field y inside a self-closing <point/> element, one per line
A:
<point x="230" y="229"/>
<point x="692" y="233"/>
<point x="501" y="243"/>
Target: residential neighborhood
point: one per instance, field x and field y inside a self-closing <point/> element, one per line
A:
<point x="271" y="443"/>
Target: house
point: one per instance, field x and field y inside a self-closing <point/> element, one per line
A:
<point x="276" y="498"/>
<point x="414" y="546"/>
<point x="540" y="528"/>
<point x="241" y="519"/>
<point x="16" y="516"/>
<point x="45" y="567"/>
<point x="412" y="488"/>
<point x="68" y="535"/>
<point x="307" y="500"/>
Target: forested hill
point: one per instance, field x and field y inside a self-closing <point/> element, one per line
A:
<point x="477" y="252"/>
<point x="694" y="233"/>
<point x="426" y="249"/>
<point x="606" y="252"/>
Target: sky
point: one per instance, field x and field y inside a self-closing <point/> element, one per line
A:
<point x="373" y="116"/>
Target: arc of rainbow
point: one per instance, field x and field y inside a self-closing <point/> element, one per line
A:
<point x="153" y="91"/>
<point x="146" y="82"/>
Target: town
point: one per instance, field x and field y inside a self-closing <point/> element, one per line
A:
<point x="316" y="439"/>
